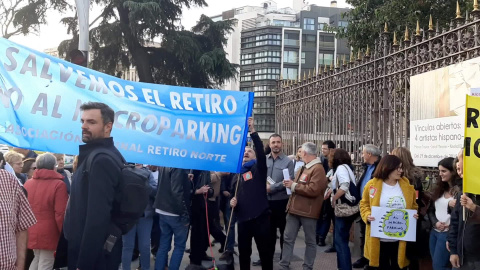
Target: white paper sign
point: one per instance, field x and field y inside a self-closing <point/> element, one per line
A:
<point x="286" y="175"/>
<point x="395" y="224"/>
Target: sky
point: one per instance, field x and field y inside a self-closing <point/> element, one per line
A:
<point x="51" y="34"/>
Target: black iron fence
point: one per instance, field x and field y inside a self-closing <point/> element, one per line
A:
<point x="367" y="100"/>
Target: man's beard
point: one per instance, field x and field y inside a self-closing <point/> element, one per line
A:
<point x="276" y="150"/>
<point x="87" y="136"/>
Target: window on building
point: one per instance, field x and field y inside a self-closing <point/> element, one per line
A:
<point x="267" y="70"/>
<point x="249" y="39"/>
<point x="308" y="24"/>
<point x="325" y="59"/>
<point x="323" y="22"/>
<point x="248" y="45"/>
<point x="309" y="41"/>
<point x="292" y="39"/>
<point x="326" y="41"/>
<point x="310" y="56"/>
<point x="343" y="24"/>
<point x="290" y="57"/>
<point x="290" y="73"/>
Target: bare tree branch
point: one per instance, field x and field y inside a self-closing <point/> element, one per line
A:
<point x="7" y="16"/>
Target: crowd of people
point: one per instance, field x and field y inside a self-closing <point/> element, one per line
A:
<point x="53" y="218"/>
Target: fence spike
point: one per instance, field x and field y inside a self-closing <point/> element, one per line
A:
<point x="367" y="53"/>
<point x="430" y="23"/>
<point x="344" y="60"/>
<point x="417" y="31"/>
<point x="459" y="13"/>
<point x="395" y="43"/>
<point x="407" y="34"/>
<point x="475" y="5"/>
<point x="385" y="29"/>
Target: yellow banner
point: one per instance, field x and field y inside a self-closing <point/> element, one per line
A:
<point x="471" y="162"/>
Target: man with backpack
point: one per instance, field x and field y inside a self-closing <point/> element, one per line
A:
<point x="94" y="241"/>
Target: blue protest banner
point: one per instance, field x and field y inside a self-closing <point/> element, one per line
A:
<point x="154" y="124"/>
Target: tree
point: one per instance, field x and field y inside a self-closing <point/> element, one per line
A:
<point x="126" y="33"/>
<point x="24" y="17"/>
<point x="368" y="17"/>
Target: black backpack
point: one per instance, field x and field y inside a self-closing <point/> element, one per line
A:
<point x="132" y="196"/>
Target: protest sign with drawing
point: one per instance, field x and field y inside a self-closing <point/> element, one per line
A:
<point x="394" y="224"/>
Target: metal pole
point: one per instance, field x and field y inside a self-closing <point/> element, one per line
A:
<point x="83" y="8"/>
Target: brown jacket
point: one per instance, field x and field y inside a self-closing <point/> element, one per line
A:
<point x="307" y="190"/>
<point x="215" y="181"/>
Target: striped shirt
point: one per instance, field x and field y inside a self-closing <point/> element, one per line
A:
<point x="15" y="216"/>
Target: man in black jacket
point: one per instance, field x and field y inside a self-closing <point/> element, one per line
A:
<point x="199" y="238"/>
<point x="173" y="204"/>
<point x="250" y="204"/>
<point x="88" y="218"/>
<point x="371" y="157"/>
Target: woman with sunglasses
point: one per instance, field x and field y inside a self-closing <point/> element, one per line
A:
<point x="29" y="167"/>
<point x="388" y="189"/>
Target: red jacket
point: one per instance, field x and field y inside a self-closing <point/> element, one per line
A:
<point x="47" y="194"/>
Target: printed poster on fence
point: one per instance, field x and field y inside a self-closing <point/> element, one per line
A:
<point x="394" y="224"/>
<point x="471" y="170"/>
<point x="40" y="99"/>
<point x="437" y="110"/>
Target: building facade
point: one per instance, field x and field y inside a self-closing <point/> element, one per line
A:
<point x="289" y="44"/>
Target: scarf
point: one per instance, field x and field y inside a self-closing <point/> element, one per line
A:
<point x="248" y="166"/>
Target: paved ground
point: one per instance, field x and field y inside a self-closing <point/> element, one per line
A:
<point x="324" y="261"/>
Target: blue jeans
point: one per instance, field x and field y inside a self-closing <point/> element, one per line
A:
<point x="438" y="250"/>
<point x="342" y="237"/>
<point x="231" y="234"/>
<point x="143" y="229"/>
<point x="176" y="228"/>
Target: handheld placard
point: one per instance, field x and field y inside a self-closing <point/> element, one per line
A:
<point x="286" y="175"/>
